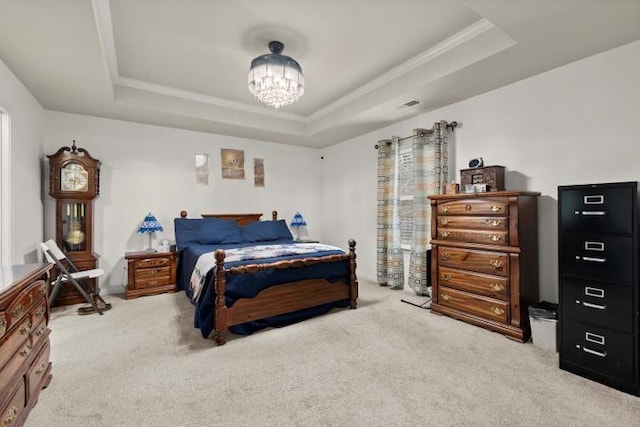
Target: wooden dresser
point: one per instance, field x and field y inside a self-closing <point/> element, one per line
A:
<point x="24" y="340"/>
<point x="150" y="273"/>
<point x="485" y="259"/>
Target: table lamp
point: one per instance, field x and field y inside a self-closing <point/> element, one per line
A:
<point x="150" y="225"/>
<point x="297" y="222"/>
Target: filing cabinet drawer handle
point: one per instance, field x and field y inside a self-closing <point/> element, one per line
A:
<point x="593" y="200"/>
<point x="496" y="263"/>
<point x="592" y="213"/>
<point x="594" y="352"/>
<point x="594" y="246"/>
<point x="594" y="338"/>
<point x="593" y="259"/>
<point x="599" y="307"/>
<point x="593" y="292"/>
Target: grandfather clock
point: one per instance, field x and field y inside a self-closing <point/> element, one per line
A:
<point x="74" y="181"/>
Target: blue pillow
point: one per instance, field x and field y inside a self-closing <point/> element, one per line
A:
<point x="265" y="231"/>
<point x="205" y="231"/>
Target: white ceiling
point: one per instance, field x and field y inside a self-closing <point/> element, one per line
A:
<point x="184" y="63"/>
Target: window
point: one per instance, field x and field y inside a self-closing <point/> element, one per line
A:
<point x="405" y="191"/>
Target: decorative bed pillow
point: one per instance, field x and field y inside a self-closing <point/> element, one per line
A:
<point x="265" y="231"/>
<point x="205" y="231"/>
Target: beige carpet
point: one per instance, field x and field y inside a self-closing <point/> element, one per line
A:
<point x="386" y="363"/>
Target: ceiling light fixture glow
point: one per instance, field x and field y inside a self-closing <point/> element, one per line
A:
<point x="276" y="79"/>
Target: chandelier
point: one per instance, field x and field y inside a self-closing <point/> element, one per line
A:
<point x="276" y="79"/>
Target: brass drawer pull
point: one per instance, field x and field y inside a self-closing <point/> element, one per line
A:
<point x="43" y="289"/>
<point x="18" y="311"/>
<point x="40" y="368"/>
<point x="495" y="238"/>
<point x="40" y="312"/>
<point x="11" y="416"/>
<point x="444" y="209"/>
<point x="496" y="208"/>
<point x="444" y="221"/>
<point x="496" y="287"/>
<point x="497" y="311"/>
<point x="496" y="223"/>
<point x="445" y="297"/>
<point x="25" y="350"/>
<point x="25" y="329"/>
<point x="496" y="263"/>
<point x="444" y="234"/>
<point x="153" y="282"/>
<point x="40" y="331"/>
<point x="446" y="276"/>
<point x="445" y="256"/>
<point x="3" y="326"/>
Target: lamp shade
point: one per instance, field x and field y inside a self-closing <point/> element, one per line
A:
<point x="150" y="224"/>
<point x="298" y="220"/>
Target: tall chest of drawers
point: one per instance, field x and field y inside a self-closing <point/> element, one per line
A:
<point x="24" y="340"/>
<point x="598" y="283"/>
<point x="485" y="259"/>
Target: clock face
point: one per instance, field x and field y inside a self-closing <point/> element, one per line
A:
<point x="73" y="177"/>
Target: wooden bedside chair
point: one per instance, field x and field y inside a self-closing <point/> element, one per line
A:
<point x="70" y="273"/>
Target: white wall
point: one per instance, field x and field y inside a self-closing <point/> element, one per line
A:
<point x="573" y="125"/>
<point x="151" y="169"/>
<point x="26" y="118"/>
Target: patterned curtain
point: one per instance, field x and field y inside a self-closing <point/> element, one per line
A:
<point x="430" y="175"/>
<point x="390" y="266"/>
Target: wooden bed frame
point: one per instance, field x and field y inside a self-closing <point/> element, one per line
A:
<point x="279" y="299"/>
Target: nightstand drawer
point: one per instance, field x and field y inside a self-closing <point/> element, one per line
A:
<point x="153" y="273"/>
<point x="153" y="262"/>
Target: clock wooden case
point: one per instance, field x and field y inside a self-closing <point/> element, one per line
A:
<point x="74" y="181"/>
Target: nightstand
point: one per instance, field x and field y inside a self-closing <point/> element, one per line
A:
<point x="150" y="273"/>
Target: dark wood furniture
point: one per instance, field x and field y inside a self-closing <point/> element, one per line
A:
<point x="24" y="340"/>
<point x="279" y="299"/>
<point x="485" y="259"/>
<point x="493" y="176"/>
<point x="150" y="273"/>
<point x="74" y="181"/>
<point x="598" y="282"/>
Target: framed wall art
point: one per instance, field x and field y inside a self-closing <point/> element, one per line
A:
<point x="232" y="163"/>
<point x="258" y="172"/>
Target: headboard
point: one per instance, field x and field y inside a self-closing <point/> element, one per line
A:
<point x="240" y="218"/>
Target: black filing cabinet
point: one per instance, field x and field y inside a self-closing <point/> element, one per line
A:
<point x="598" y="283"/>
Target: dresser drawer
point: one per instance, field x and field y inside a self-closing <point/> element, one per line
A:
<point x="598" y="257"/>
<point x="469" y="259"/>
<point x="153" y="262"/>
<point x="499" y="238"/>
<point x="487" y="207"/>
<point x="18" y="339"/>
<point x="38" y="370"/>
<point x="484" y="307"/>
<point x="12" y="410"/>
<point x="597" y="209"/>
<point x="603" y="304"/>
<point x="474" y="223"/>
<point x="607" y="352"/>
<point x="477" y="283"/>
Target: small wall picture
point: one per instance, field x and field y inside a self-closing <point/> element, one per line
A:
<point x="202" y="169"/>
<point x="232" y="163"/>
<point x="258" y="172"/>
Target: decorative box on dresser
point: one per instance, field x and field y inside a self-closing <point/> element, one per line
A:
<point x="598" y="283"/>
<point x="150" y="273"/>
<point x="484" y="256"/>
<point x="24" y="340"/>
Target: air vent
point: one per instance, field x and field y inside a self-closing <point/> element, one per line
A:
<point x="410" y="103"/>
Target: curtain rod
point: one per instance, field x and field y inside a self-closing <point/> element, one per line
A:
<point x="451" y="126"/>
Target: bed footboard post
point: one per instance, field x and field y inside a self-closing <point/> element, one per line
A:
<point x="353" y="279"/>
<point x="220" y="308"/>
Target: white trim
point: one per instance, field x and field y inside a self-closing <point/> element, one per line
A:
<point x="5" y="186"/>
<point x="104" y="24"/>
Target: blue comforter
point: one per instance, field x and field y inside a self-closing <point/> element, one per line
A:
<point x="249" y="285"/>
